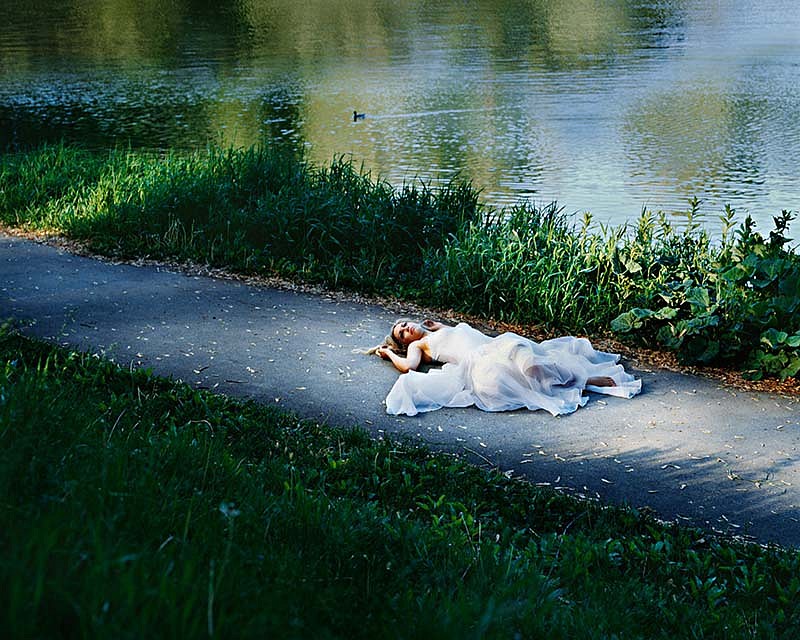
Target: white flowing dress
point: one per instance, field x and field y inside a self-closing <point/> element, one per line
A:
<point x="507" y="372"/>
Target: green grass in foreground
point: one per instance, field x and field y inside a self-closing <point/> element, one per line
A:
<point x="137" y="507"/>
<point x="735" y="302"/>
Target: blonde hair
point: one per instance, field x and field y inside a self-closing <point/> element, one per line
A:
<point x="390" y="342"/>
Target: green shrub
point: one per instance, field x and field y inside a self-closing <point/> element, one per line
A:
<point x="743" y="307"/>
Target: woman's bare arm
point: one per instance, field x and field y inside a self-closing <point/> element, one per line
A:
<point x="403" y="364"/>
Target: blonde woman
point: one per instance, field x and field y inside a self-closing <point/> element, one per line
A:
<point x="499" y="373"/>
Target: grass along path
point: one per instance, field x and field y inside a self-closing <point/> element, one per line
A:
<point x="137" y="507"/>
<point x="735" y="302"/>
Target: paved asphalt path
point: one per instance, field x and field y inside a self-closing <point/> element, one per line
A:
<point x="687" y="447"/>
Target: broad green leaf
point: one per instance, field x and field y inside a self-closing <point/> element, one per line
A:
<point x="665" y="313"/>
<point x="793" y="341"/>
<point x="626" y="322"/>
<point x="792" y="369"/>
<point x="773" y="338"/>
<point x="699" y="298"/>
<point x="633" y="267"/>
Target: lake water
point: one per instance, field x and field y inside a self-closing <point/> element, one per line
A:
<point x="606" y="106"/>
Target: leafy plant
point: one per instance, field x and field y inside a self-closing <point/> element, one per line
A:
<point x="745" y="307"/>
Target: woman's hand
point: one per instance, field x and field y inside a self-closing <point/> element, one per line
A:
<point x="383" y="352"/>
<point x="431" y="325"/>
<point x="405" y="363"/>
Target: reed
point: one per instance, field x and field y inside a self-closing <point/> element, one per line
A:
<point x="526" y="264"/>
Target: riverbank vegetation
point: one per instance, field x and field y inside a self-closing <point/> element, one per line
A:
<point x="732" y="300"/>
<point x="136" y="506"/>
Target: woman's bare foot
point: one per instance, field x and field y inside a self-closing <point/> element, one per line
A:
<point x="601" y="381"/>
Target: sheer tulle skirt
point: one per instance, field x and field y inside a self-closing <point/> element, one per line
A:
<point x="510" y="372"/>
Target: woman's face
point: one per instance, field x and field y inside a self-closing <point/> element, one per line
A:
<point x="407" y="332"/>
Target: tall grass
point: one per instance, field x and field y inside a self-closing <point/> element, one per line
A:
<point x="255" y="209"/>
<point x="527" y="264"/>
<point x="268" y="210"/>
<point x="136" y="507"/>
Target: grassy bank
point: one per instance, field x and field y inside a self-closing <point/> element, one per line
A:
<point x="735" y="301"/>
<point x="136" y="507"/>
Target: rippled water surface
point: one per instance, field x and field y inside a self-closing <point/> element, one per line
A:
<point x="607" y="106"/>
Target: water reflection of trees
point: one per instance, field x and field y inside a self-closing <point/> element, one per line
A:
<point x="71" y="35"/>
<point x="296" y="66"/>
<point x="703" y="141"/>
<point x="150" y="123"/>
<point x="562" y="32"/>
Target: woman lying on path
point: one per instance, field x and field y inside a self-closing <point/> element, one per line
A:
<point x="496" y="374"/>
